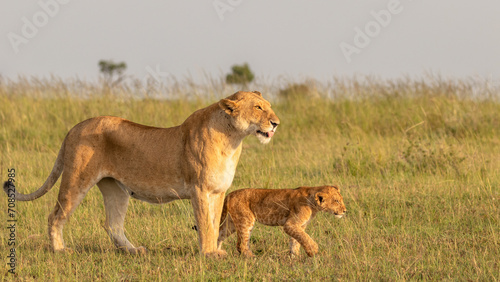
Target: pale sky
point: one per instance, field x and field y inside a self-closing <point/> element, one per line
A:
<point x="295" y="39"/>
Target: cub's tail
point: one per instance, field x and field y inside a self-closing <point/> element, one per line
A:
<point x="9" y="187"/>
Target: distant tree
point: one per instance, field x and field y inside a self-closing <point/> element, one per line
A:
<point x="110" y="69"/>
<point x="241" y="74"/>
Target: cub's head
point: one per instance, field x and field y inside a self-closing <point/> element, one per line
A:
<point x="251" y="114"/>
<point x="328" y="199"/>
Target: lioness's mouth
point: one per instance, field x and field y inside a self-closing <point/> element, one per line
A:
<point x="266" y="134"/>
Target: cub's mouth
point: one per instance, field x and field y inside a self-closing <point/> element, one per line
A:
<point x="268" y="134"/>
<point x="339" y="215"/>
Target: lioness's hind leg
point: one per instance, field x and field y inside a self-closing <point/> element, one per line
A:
<point x="71" y="194"/>
<point x="115" y="204"/>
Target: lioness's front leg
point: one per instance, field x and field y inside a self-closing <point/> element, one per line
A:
<point x="207" y="210"/>
<point x="115" y="205"/>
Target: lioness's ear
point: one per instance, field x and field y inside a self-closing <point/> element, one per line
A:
<point x="319" y="198"/>
<point x="228" y="106"/>
<point x="257" y="92"/>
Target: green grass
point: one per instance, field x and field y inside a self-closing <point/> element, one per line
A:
<point x="417" y="163"/>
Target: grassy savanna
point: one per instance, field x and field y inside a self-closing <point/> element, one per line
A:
<point x="417" y="161"/>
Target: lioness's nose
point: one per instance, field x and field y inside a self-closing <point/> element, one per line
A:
<point x="274" y="123"/>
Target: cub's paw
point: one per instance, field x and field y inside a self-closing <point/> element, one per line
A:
<point x="247" y="254"/>
<point x="312" y="249"/>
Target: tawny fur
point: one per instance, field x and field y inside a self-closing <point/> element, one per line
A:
<point x="290" y="208"/>
<point x="195" y="160"/>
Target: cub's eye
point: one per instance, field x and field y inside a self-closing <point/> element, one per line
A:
<point x="258" y="108"/>
<point x="337" y="201"/>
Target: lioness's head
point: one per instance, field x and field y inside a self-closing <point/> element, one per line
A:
<point x="329" y="199"/>
<point x="251" y="114"/>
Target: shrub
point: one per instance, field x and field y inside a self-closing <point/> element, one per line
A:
<point x="241" y="74"/>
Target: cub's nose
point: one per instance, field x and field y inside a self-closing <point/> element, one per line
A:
<point x="274" y="124"/>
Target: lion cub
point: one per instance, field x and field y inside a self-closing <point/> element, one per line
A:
<point x="290" y="208"/>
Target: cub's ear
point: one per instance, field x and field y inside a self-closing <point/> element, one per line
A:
<point x="319" y="198"/>
<point x="257" y="92"/>
<point x="230" y="107"/>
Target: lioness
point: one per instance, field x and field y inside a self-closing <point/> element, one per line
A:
<point x="195" y="160"/>
<point x="290" y="208"/>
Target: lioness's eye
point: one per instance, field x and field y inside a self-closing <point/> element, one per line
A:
<point x="258" y="108"/>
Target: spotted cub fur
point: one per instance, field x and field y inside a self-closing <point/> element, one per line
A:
<point x="290" y="208"/>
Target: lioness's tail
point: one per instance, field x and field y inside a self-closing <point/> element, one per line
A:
<point x="51" y="180"/>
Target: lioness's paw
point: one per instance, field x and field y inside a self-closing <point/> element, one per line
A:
<point x="64" y="251"/>
<point x="137" y="251"/>
<point x="218" y="254"/>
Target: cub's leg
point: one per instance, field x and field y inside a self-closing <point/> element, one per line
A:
<point x="74" y="187"/>
<point x="244" y="221"/>
<point x="297" y="232"/>
<point x="227" y="228"/>
<point x="115" y="204"/>
<point x="295" y="245"/>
